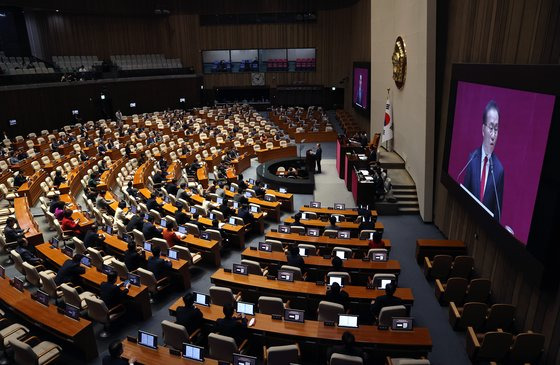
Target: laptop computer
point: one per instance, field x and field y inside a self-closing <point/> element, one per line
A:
<point x="172" y="254"/>
<point x="163" y="223"/>
<point x="379" y="256"/>
<point x="205" y="236"/>
<point x="347" y="321"/>
<point x="106" y="269"/>
<point x="72" y="312"/>
<point x="134" y="279"/>
<point x="68" y="251"/>
<point x="302" y="252"/>
<point x="182" y="229"/>
<point x="109" y="229"/>
<point x="86" y="261"/>
<point x="341" y="254"/>
<point x="148" y="246"/>
<point x="382" y="283"/>
<point x="147" y="339"/>
<point x="42" y="297"/>
<point x="336" y="279"/>
<point x="254" y="209"/>
<point x="232" y="221"/>
<point x="343" y="234"/>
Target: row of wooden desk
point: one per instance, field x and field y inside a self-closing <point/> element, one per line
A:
<point x="321" y="241"/>
<point x="317" y="223"/>
<point x="276" y="152"/>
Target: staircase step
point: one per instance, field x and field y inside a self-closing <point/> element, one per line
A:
<point x="409" y="210"/>
<point x="403" y="190"/>
<point x="405" y="197"/>
<point x="408" y="204"/>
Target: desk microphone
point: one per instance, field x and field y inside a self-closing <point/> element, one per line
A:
<point x="467" y="164"/>
<point x="495" y="190"/>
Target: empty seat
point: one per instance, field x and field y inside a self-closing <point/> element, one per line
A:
<point x="462" y="267"/>
<point x="472" y="314"/>
<point x="271" y="305"/>
<point x="281" y="355"/>
<point x="329" y="311"/>
<point x="223" y="347"/>
<point x="500" y="316"/>
<point x="452" y="291"/>
<point x="222" y="296"/>
<point x="527" y="348"/>
<point x="174" y="335"/>
<point x="439" y="268"/>
<point x="490" y="346"/>
<point x="341" y="359"/>
<point x="35" y="352"/>
<point x="98" y="311"/>
<point x="478" y="290"/>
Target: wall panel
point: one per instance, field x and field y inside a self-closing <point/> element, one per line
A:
<point x="493" y="31"/>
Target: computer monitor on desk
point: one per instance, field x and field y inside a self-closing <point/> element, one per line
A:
<point x="202" y="299"/>
<point x="240" y="269"/>
<point x="285" y="275"/>
<point x="192" y="352"/>
<point x="313" y="232"/>
<point x="336" y="279"/>
<point x="294" y="315"/>
<point x="402" y="324"/>
<point x="266" y="247"/>
<point x="315" y="204"/>
<point x="343" y="234"/>
<point x="283" y="228"/>
<point x="239" y="359"/>
<point x="339" y="206"/>
<point x="348" y="321"/>
<point x="147" y="339"/>
<point x="246" y="308"/>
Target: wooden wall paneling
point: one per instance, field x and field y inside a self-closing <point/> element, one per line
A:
<point x="500" y="32"/>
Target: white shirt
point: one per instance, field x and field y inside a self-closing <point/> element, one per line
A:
<point x="487" y="167"/>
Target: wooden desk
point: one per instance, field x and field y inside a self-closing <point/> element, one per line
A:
<point x="369" y="336"/>
<point x="276" y="152"/>
<point x="73" y="185"/>
<point x="77" y="213"/>
<point x="352" y="226"/>
<point x="180" y="268"/>
<point x="242" y="163"/>
<point x="25" y="220"/>
<point x="353" y="266"/>
<point x="202" y="177"/>
<point x="272" y="208"/>
<point x="77" y="334"/>
<point x="109" y="177"/>
<point x="31" y="189"/>
<point x="353" y="243"/>
<point x="138" y="297"/>
<point x="160" y="356"/>
<point x="142" y="173"/>
<point x="353" y="213"/>
<point x="259" y="285"/>
<point x="431" y="247"/>
<point x="316" y="136"/>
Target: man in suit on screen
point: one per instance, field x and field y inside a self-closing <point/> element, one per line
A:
<point x="484" y="176"/>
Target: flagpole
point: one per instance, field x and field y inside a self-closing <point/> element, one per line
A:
<point x="389" y="143"/>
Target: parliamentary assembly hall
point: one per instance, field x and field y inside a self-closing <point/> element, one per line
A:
<point x="279" y="182"/>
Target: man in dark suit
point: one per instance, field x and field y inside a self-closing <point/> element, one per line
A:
<point x="114" y="357"/>
<point x="245" y="214"/>
<point x="136" y="222"/>
<point x="153" y="204"/>
<point x="235" y="327"/>
<point x="348" y="348"/>
<point x="111" y="293"/>
<point x="318" y="157"/>
<point x="93" y="239"/>
<point x="335" y="295"/>
<point x="133" y="259"/>
<point x="294" y="258"/>
<point x="189" y="315"/>
<point x="157" y="265"/>
<point x="387" y="300"/>
<point x="149" y="230"/>
<point x="70" y="271"/>
<point x="484" y="176"/>
<point x="180" y="216"/>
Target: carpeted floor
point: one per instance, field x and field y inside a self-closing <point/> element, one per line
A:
<point x="449" y="346"/>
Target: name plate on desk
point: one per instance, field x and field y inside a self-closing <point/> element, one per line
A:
<point x="277" y="317"/>
<point x="227" y="270"/>
<point x="329" y="323"/>
<point x="271" y="277"/>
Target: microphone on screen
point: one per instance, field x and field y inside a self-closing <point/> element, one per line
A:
<point x="467" y="164"/>
<point x="495" y="190"/>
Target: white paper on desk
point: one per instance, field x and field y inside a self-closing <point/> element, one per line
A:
<point x="76" y="211"/>
<point x="180" y="235"/>
<point x="220" y="225"/>
<point x="364" y="172"/>
<point x="363" y="158"/>
<point x="368" y="178"/>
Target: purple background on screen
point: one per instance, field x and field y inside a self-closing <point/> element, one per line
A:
<point x="523" y="131"/>
<point x="365" y="82"/>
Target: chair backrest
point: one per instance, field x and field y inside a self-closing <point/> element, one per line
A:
<point x="79" y="246"/>
<point x="340" y="359"/>
<point x="526" y="348"/>
<point x="500" y="316"/>
<point x="275" y="245"/>
<point x="329" y="311"/>
<point x="455" y="290"/>
<point x="474" y="315"/>
<point x="192" y="229"/>
<point x="441" y="267"/>
<point x="494" y="345"/>
<point x="462" y="267"/>
<point x="346" y="279"/>
<point x="373" y="251"/>
<point x="174" y="335"/>
<point x="97" y="310"/>
<point x="332" y="233"/>
<point x="31" y="274"/>
<point x="407" y="361"/>
<point x="148" y="279"/>
<point x="280" y="355"/>
<point x="221" y="296"/>
<point x="120" y="268"/>
<point x="387" y="313"/>
<point x="49" y="286"/>
<point x="478" y="290"/>
<point x="214" y="235"/>
<point x="253" y="266"/>
<point x="70" y="295"/>
<point x="347" y="251"/>
<point x="270" y="305"/>
<point x="184" y="253"/>
<point x="96" y="258"/>
<point x="297" y="229"/>
<point x="138" y="237"/>
<point x="221" y="347"/>
<point x="296" y="270"/>
<point x="23" y="353"/>
<point x="18" y="261"/>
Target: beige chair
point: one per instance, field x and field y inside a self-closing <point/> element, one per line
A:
<point x="32" y="275"/>
<point x="98" y="311"/>
<point x="478" y="290"/>
<point x="331" y="233"/>
<point x="329" y="311"/>
<point x="406" y="361"/>
<point x="275" y="245"/>
<point x="452" y="291"/>
<point x="527" y="348"/>
<point x="148" y="279"/>
<point x="387" y="313"/>
<point x="120" y="268"/>
<point x="138" y="237"/>
<point x="192" y="229"/>
<point x="472" y="314"/>
<point x="254" y="267"/>
<point x="215" y="235"/>
<point x="18" y="261"/>
<point x="222" y="296"/>
<point x="340" y="359"/>
<point x="10" y="332"/>
<point x="223" y="347"/>
<point x="271" y="305"/>
<point x="348" y="254"/>
<point x="296" y="270"/>
<point x="340" y="274"/>
<point x="186" y="254"/>
<point x="174" y="335"/>
<point x="310" y="250"/>
<point x="490" y="346"/>
<point x="281" y="355"/>
<point x="98" y="259"/>
<point x="365" y="234"/>
<point x="63" y="236"/>
<point x="70" y="296"/>
<point x="79" y="247"/>
<point x="6" y="247"/>
<point x="49" y="286"/>
<point x="35" y="352"/>
<point x="438" y="268"/>
<point x="373" y="251"/>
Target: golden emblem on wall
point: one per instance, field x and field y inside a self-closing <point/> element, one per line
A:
<point x="399" y="63"/>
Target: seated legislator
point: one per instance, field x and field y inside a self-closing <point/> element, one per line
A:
<point x="387" y="300"/>
<point x="169" y="235"/>
<point x="158" y="266"/>
<point x="180" y="216"/>
<point x="337" y="295"/>
<point x="134" y="257"/>
<point x="135" y="222"/>
<point x="367" y="223"/>
<point x="70" y="271"/>
<point x="376" y="242"/>
<point x="244" y="212"/>
<point x="115" y="353"/>
<point x="120" y="215"/>
<point x="294" y="258"/>
<point x="28" y="256"/>
<point x="112" y="294"/>
<point x="101" y="203"/>
<point x="13" y="233"/>
<point x="348" y="348"/>
<point x="235" y="327"/>
<point x="149" y="230"/>
<point x="55" y="204"/>
<point x="19" y="178"/>
<point x="69" y="224"/>
<point x="188" y="315"/>
<point x="297" y="220"/>
<point x="131" y="190"/>
<point x="332" y="221"/>
<point x="93" y="239"/>
<point x="58" y="178"/>
<point x="152" y="203"/>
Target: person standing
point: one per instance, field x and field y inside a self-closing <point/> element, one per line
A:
<point x="318" y="156"/>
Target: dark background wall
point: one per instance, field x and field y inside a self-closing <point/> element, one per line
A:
<point x="507" y="32"/>
<point x="50" y="106"/>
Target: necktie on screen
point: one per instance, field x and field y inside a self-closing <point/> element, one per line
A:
<point x="483" y="179"/>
